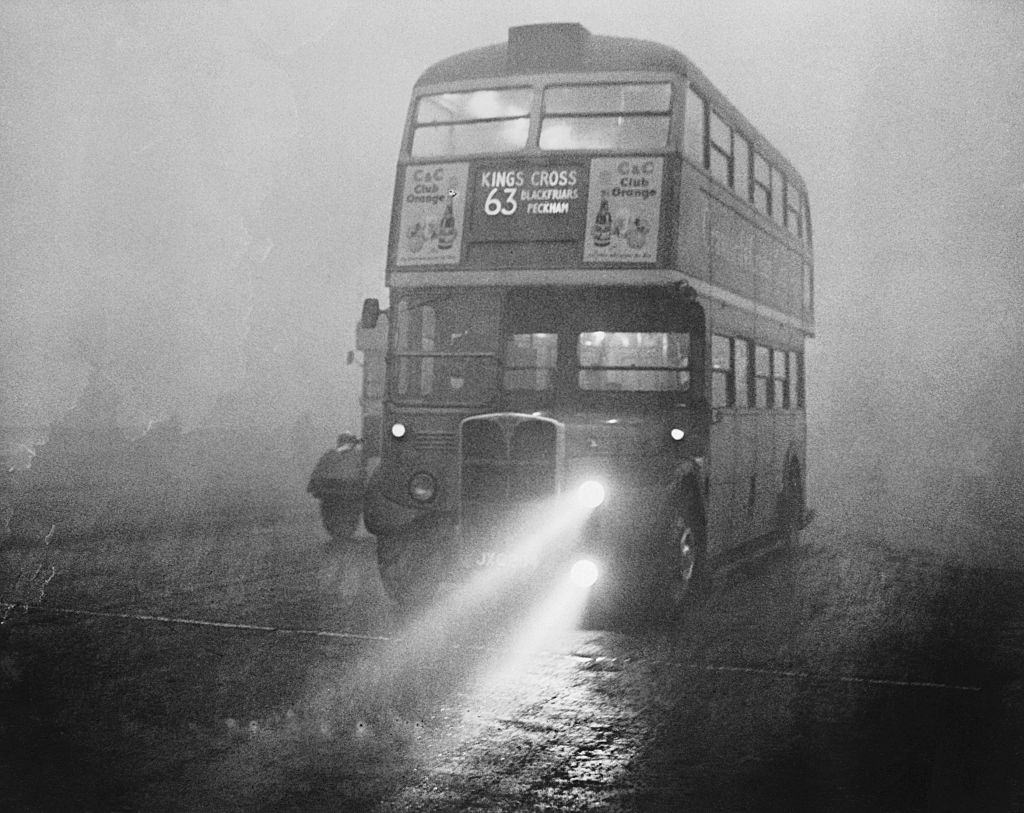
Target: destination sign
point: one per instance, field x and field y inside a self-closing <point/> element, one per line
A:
<point x="518" y="203"/>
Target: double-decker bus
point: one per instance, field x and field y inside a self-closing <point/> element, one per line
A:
<point x="600" y="278"/>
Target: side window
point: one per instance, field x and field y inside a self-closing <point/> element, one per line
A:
<point x="403" y="328"/>
<point x="723" y="379"/>
<point x="720" y="154"/>
<point x="693" y="127"/>
<point x="800" y="380"/>
<point x="778" y="205"/>
<point x="741" y="372"/>
<point x="741" y="166"/>
<point x="791" y="389"/>
<point x="794" y="220"/>
<point x="762" y="187"/>
<point x="762" y="377"/>
<point x="416" y="332"/>
<point x="780" y="396"/>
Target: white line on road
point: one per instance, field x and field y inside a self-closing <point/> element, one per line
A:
<point x="706" y="667"/>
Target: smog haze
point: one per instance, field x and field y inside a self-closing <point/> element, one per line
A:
<point x="196" y="202"/>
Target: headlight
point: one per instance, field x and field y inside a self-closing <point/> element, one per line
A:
<point x="584" y="573"/>
<point x="591" y="494"/>
<point x="422" y="487"/>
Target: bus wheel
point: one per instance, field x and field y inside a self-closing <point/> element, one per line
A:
<point x="683" y="565"/>
<point x="791" y="507"/>
<point x="407" y="563"/>
<point x="396" y="568"/>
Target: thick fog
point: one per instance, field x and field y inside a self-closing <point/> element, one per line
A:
<point x="195" y="201"/>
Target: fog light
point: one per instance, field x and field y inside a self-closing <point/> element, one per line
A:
<point x="422" y="487"/>
<point x="591" y="493"/>
<point x="398" y="430"/>
<point x="584" y="573"/>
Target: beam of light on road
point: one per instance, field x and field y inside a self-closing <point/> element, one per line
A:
<point x="441" y="648"/>
<point x="543" y="629"/>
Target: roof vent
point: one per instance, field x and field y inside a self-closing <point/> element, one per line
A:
<point x="546" y="47"/>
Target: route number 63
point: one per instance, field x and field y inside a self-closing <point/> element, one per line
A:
<point x="494" y="205"/>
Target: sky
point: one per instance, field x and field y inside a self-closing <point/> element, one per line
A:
<point x="196" y="200"/>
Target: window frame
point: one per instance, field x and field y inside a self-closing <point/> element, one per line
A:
<point x="794" y="212"/>
<point x="728" y="372"/>
<point x="758" y="185"/>
<point x="416" y="125"/>
<point x="725" y="152"/>
<point x="780" y="379"/>
<point x="679" y="372"/>
<point x="764" y="391"/>
<point x="743" y="372"/>
<point x="696" y="130"/>
<point x="661" y="116"/>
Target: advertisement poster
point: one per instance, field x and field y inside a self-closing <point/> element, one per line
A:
<point x="623" y="210"/>
<point x="433" y="212"/>
<point x="521" y="203"/>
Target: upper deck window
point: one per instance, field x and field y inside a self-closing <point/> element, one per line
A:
<point x="616" y="116"/>
<point x="477" y="121"/>
<point x="693" y="127"/>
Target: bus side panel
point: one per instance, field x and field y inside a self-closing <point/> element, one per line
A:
<point x="721" y="505"/>
<point x="748" y="424"/>
<point x="693" y="256"/>
<point x="731" y="244"/>
<point x="767" y="473"/>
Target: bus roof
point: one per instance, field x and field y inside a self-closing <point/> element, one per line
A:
<point x="571" y="48"/>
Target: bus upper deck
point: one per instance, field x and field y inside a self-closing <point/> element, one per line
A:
<point x="562" y="158"/>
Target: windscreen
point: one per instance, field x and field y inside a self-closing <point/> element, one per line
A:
<point x="445" y="348"/>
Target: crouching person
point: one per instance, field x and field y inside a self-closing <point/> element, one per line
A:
<point x="338" y="483"/>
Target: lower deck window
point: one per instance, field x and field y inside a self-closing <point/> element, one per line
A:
<point x="530" y="361"/>
<point x="637" y="362"/>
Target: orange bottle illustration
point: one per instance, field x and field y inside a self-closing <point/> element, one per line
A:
<point x="446" y="228"/>
<point x="603" y="223"/>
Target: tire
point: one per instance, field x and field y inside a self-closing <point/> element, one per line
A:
<point x="684" y="574"/>
<point x="790" y="512"/>
<point x="340" y="520"/>
<point x="680" y="568"/>
<point x="410" y="566"/>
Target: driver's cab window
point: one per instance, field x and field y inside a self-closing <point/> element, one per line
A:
<point x="445" y="348"/>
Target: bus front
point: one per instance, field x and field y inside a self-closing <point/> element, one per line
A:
<point x="545" y="381"/>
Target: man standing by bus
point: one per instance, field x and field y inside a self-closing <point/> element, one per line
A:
<point x="337" y="482"/>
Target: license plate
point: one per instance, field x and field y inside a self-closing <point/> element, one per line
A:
<point x="502" y="560"/>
